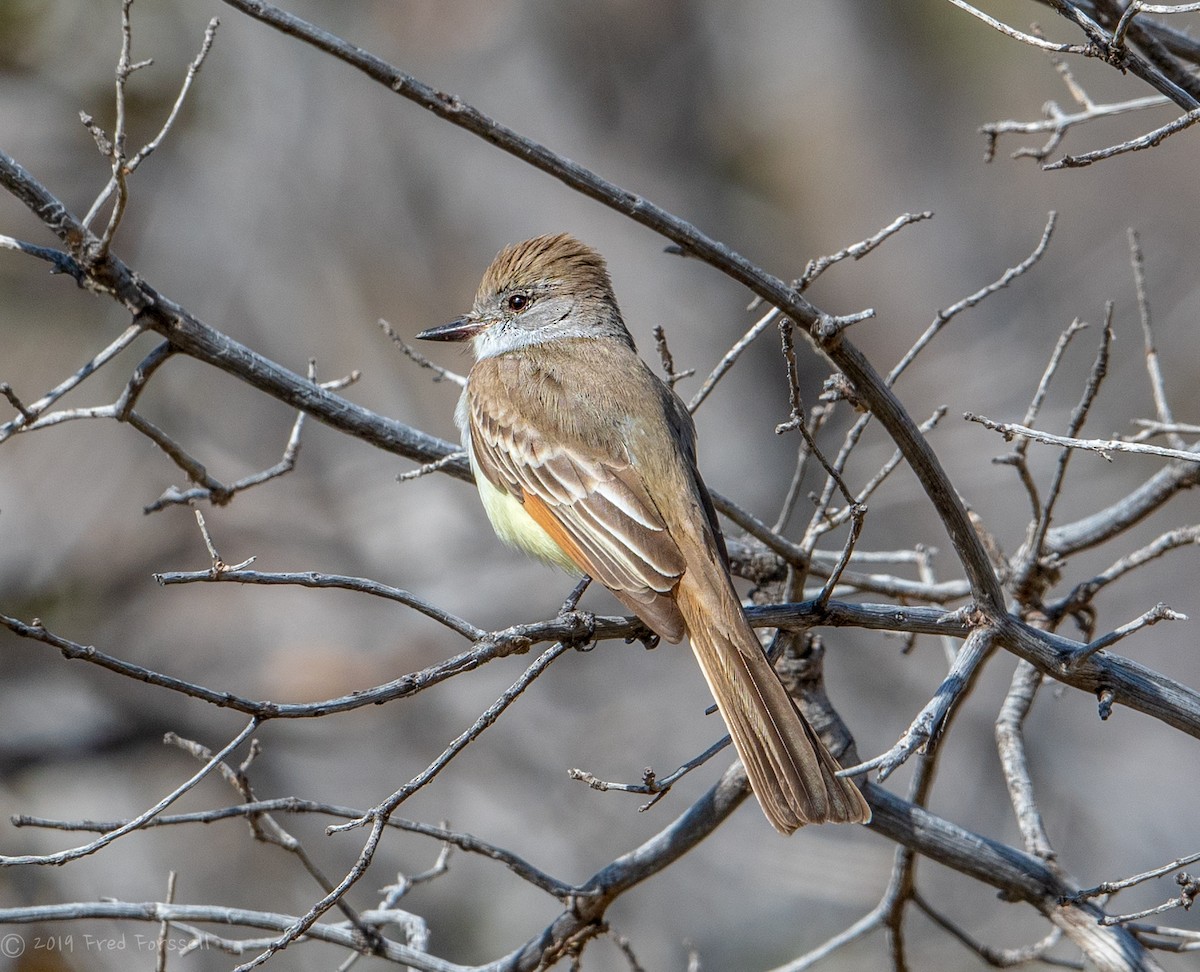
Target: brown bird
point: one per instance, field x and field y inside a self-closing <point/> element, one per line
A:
<point x="585" y="459"/>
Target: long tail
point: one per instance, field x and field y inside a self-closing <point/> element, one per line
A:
<point x="790" y="770"/>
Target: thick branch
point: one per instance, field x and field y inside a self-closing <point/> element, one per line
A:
<point x="1016" y="873"/>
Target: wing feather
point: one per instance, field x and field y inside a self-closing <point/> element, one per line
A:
<point x="593" y="505"/>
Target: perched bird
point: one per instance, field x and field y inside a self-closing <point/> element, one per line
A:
<point x="585" y="459"/>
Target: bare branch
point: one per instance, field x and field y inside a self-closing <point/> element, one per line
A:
<point x="1002" y="958"/>
<point x="1010" y="742"/>
<point x="922" y="734"/>
<point x="731" y="357"/>
<point x="114" y="150"/>
<point x="651" y="783"/>
<point x="343" y="935"/>
<point x="945" y="316"/>
<point x="476" y="729"/>
<point x="1024" y="38"/>
<point x="668" y="361"/>
<point x="1121" y="57"/>
<point x="1160" y="612"/>
<point x="858" y="250"/>
<point x="1058" y="123"/>
<point x="1189" y="889"/>
<point x="75" y="853"/>
<point x="1102" y="447"/>
<point x="33" y="411"/>
<point x="1017" y="458"/>
<point x="466" y="842"/>
<point x="432" y="467"/>
<point x="1106" y="888"/>
<point x="1149" y="140"/>
<point x="1083" y="593"/>
<point x="439" y="373"/>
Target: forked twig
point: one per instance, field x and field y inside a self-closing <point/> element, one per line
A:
<point x="923" y="732"/>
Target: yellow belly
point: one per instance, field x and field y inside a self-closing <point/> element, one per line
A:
<point x="516" y="527"/>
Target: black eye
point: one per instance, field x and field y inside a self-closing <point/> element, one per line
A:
<point x="518" y="302"/>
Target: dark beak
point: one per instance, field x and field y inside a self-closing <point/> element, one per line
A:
<point x="460" y="330"/>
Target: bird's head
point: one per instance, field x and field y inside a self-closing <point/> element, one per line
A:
<point x="546" y="289"/>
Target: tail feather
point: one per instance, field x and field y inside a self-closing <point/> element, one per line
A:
<point x="791" y="772"/>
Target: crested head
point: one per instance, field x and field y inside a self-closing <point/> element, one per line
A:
<point x="545" y="289"/>
<point x="547" y="262"/>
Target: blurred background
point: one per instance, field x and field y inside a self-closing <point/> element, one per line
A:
<point x="295" y="203"/>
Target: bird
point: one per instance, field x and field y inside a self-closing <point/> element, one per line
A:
<point x="585" y="459"/>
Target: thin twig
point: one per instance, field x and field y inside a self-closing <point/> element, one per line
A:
<point x="339" y="934"/>
<point x="1052" y="366"/>
<point x="1160" y="612"/>
<point x="1058" y="123"/>
<point x="1001" y="958"/>
<point x="1082" y="594"/>
<point x="858" y="514"/>
<point x="75" y="853"/>
<point x="1162" y="408"/>
<point x="161" y="950"/>
<point x="1189" y="890"/>
<point x="211" y="489"/>
<point x="817" y="417"/>
<point x="469" y="735"/>
<point x="1024" y="38"/>
<point x="1105" y="888"/>
<point x="439" y="373"/>
<point x="923" y="732"/>
<point x="431" y="467"/>
<point x="858" y="250"/>
<point x="1165" y="938"/>
<point x="466" y="842"/>
<point x="836" y="518"/>
<point x="304" y="923"/>
<point x="34" y="410"/>
<point x="1149" y="140"/>
<point x="1102" y="447"/>
<point x="668" y="361"/>
<point x="947" y="314"/>
<point x="315" y="579"/>
<point x="651" y="784"/>
<point x="378" y="816"/>
<point x="60" y="262"/>
<point x="117" y="182"/>
<point x="265" y="827"/>
<point x="731" y="356"/>
<point x="864" y="926"/>
<point x="1123" y="58"/>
